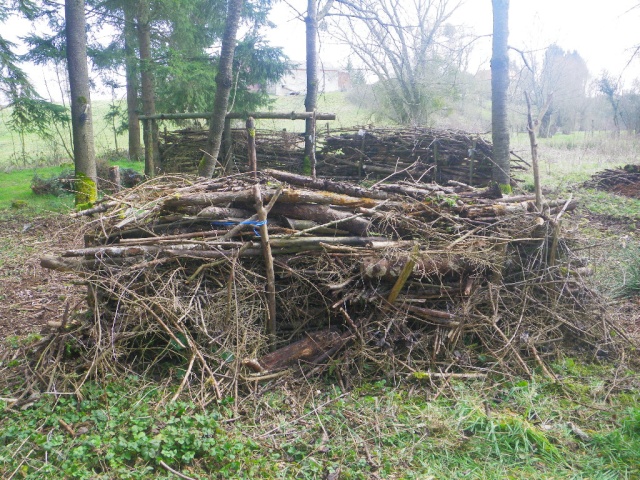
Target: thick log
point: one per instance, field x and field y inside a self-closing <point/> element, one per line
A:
<point x="306" y="350"/>
<point x="288" y="195"/>
<point x="241" y="116"/>
<point x="323" y="214"/>
<point x="327" y="185"/>
<point x="216" y="249"/>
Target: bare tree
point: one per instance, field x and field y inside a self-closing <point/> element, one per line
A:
<point x="408" y="46"/>
<point x="610" y="87"/>
<point x="83" y="147"/>
<point x="499" y="88"/>
<point x="224" y="82"/>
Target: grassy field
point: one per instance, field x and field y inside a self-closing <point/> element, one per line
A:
<point x="586" y="427"/>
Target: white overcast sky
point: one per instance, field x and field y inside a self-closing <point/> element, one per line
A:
<point x="604" y="32"/>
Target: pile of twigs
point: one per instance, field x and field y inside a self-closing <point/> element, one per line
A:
<point x="353" y="154"/>
<point x="425" y="153"/>
<point x="239" y="280"/>
<point x="623" y="181"/>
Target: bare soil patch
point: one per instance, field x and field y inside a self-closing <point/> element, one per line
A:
<point x="31" y="296"/>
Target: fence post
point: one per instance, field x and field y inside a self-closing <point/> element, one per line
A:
<point x="251" y="146"/>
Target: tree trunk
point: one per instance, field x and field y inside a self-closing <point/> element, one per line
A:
<point x="135" y="149"/>
<point x="224" y="82"/>
<point x="499" y="87"/>
<point x="311" y="100"/>
<point x="148" y="91"/>
<point x="83" y="150"/>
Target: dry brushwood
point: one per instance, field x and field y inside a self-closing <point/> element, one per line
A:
<point x="403" y="281"/>
<point x="399" y="154"/>
<point x="622" y="181"/>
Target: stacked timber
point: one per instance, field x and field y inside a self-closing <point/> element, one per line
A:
<point x="242" y="278"/>
<point x="622" y="181"/>
<point x="430" y="155"/>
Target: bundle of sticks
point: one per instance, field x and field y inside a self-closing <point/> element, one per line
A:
<point x="352" y="154"/>
<point x="245" y="276"/>
<point x="623" y="181"/>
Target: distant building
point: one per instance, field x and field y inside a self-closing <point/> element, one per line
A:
<point x="295" y="82"/>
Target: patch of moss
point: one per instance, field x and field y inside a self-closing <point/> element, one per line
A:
<point x="86" y="190"/>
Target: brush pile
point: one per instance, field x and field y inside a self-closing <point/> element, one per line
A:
<point x="353" y="154"/>
<point x="622" y="181"/>
<point x="241" y="279"/>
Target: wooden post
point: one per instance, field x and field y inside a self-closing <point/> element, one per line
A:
<point x="251" y="146"/>
<point x="149" y="167"/>
<point x="227" y="147"/>
<point x="472" y="155"/>
<point x="361" y="157"/>
<point x="532" y="130"/>
<point x="312" y="153"/>
<point x="436" y="161"/>
<point x="268" y="263"/>
<point x="114" y="178"/>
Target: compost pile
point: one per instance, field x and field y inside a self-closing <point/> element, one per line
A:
<point x="622" y="181"/>
<point x="430" y="155"/>
<point x="238" y="280"/>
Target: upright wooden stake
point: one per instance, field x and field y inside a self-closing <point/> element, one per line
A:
<point x="268" y="262"/>
<point x="227" y="147"/>
<point x="312" y="153"/>
<point x="532" y="128"/>
<point x="251" y="147"/>
<point x="114" y="178"/>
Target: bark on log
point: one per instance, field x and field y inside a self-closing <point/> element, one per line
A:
<point x="323" y="214"/>
<point x="287" y="196"/>
<point x="305" y="350"/>
<point x="327" y="185"/>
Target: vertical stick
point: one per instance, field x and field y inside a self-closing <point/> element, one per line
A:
<point x="531" y="128"/>
<point x="251" y="148"/>
<point x="227" y="146"/>
<point x="114" y="178"/>
<point x="268" y="262"/>
<point x="312" y="153"/>
<point x="149" y="167"/>
<point x="472" y="154"/>
<point x="404" y="275"/>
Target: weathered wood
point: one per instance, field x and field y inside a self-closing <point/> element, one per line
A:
<point x="240" y="116"/>
<point x="323" y="214"/>
<point x="305" y="350"/>
<point x="251" y="146"/>
<point x="114" y="178"/>
<point x="268" y="262"/>
<point x="288" y="195"/>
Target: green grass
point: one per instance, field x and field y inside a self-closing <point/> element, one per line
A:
<point x="15" y="186"/>
<point x="481" y="430"/>
<point x="41" y="152"/>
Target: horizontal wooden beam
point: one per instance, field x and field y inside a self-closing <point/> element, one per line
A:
<point x="241" y="116"/>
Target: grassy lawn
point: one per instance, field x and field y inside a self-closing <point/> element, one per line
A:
<point x="584" y="428"/>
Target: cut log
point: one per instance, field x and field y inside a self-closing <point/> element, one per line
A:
<point x="305" y="350"/>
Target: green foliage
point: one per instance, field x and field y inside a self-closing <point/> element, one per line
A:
<point x="122" y="431"/>
<point x="36" y="116"/>
<point x="186" y="82"/>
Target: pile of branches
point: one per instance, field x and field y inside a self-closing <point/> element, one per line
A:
<point x="430" y="155"/>
<point x="239" y="280"/>
<point x="622" y="181"/>
<point x="425" y="153"/>
<point x="182" y="150"/>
